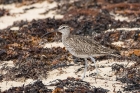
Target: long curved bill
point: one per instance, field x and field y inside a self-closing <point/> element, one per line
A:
<point x="49" y="33"/>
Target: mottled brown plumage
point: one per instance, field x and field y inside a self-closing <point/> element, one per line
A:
<point x="83" y="47"/>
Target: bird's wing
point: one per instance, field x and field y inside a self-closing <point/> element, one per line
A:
<point x="88" y="44"/>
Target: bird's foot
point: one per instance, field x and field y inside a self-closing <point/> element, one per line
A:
<point x="98" y="76"/>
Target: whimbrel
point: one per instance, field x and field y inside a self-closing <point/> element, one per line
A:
<point x="83" y="47"/>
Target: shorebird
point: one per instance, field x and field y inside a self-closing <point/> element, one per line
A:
<point x="83" y="47"/>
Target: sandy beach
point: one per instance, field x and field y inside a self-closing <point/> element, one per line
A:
<point x="108" y="77"/>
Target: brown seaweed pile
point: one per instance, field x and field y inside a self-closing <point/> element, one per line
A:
<point x="4" y="12"/>
<point x="131" y="77"/>
<point x="31" y="60"/>
<point x="71" y="85"/>
<point x="36" y="87"/>
<point x="23" y="2"/>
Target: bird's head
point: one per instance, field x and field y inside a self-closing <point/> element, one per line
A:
<point x="64" y="29"/>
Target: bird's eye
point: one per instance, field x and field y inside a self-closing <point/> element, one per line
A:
<point x="63" y="27"/>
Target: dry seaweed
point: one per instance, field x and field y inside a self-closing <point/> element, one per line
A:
<point x="71" y="85"/>
<point x="4" y="12"/>
<point x="36" y="87"/>
<point x="31" y="60"/>
<point x="22" y="2"/>
<point x="131" y="77"/>
<point x="75" y="85"/>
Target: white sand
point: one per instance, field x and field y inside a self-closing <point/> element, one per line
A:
<point x="108" y="82"/>
<point x="54" y="44"/>
<point x="9" y="84"/>
<point x="18" y="14"/>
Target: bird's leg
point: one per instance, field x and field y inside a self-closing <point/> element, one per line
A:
<point x="94" y="64"/>
<point x="85" y="69"/>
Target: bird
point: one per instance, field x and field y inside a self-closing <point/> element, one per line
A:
<point x="83" y="47"/>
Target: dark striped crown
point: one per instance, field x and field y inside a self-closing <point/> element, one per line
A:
<point x="63" y="27"/>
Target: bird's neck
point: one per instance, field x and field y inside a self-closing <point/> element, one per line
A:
<point x="65" y="35"/>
